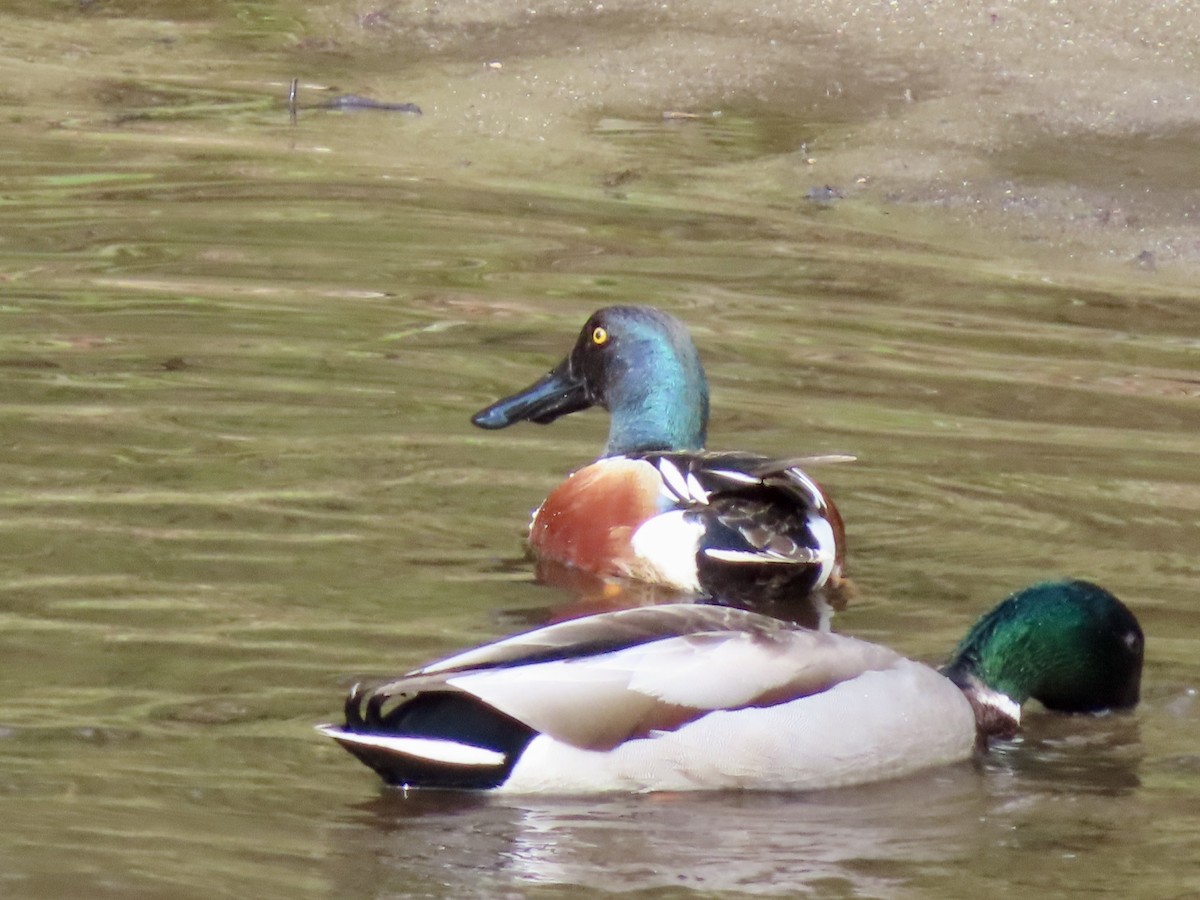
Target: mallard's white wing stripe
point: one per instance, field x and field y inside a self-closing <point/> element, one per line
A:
<point x="432" y="749"/>
<point x="882" y="724"/>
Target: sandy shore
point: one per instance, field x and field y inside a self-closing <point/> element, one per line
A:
<point x="1070" y="129"/>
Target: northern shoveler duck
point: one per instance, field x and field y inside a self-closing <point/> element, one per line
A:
<point x="657" y="507"/>
<point x="689" y="696"/>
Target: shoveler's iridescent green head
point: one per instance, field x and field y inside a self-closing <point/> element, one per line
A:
<point x="635" y="361"/>
<point x="1071" y="645"/>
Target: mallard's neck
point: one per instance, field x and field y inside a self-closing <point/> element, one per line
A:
<point x="1069" y="644"/>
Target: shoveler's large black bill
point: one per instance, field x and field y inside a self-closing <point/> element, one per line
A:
<point x="558" y="393"/>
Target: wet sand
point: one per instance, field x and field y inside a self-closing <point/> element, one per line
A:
<point x="1066" y="132"/>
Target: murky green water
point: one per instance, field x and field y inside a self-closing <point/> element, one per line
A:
<point x="237" y="360"/>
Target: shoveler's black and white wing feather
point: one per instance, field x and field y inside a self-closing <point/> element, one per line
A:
<point x="747" y="529"/>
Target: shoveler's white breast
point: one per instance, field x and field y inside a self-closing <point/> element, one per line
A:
<point x="664" y="551"/>
<point x="881" y="724"/>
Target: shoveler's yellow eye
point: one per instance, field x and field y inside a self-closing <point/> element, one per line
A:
<point x="599" y="335"/>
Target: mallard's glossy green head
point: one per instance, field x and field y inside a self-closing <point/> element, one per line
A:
<point x="635" y="361"/>
<point x="1071" y="645"/>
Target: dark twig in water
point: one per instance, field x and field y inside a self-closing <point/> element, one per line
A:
<point x="349" y="101"/>
<point x="352" y="101"/>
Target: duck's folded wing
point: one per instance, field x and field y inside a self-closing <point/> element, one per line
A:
<point x="594" y="635"/>
<point x="754" y="509"/>
<point x="694" y="477"/>
<point x="599" y="701"/>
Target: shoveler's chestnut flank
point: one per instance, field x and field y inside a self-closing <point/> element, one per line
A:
<point x="687" y="697"/>
<point x="657" y="506"/>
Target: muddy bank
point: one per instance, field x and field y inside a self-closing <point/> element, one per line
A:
<point x="1070" y="132"/>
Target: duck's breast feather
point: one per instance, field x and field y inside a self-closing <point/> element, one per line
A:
<point x="587" y="521"/>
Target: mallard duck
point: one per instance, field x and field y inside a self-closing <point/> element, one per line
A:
<point x="688" y="696"/>
<point x="657" y="507"/>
